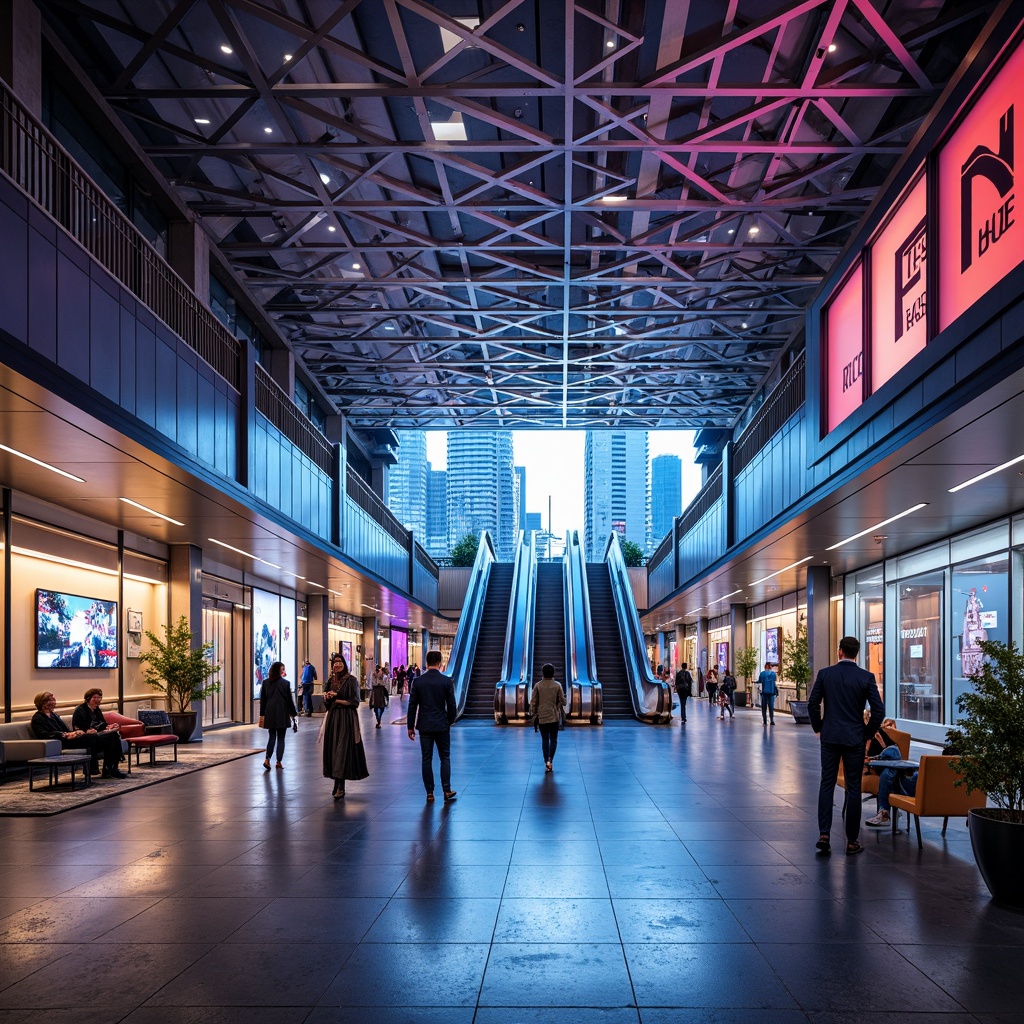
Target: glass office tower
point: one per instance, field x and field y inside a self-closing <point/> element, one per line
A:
<point x="482" y="488"/>
<point x="616" y="488"/>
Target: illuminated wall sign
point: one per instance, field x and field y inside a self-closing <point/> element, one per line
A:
<point x="981" y="238"/>
<point x="899" y="259"/>
<point x="844" y="335"/>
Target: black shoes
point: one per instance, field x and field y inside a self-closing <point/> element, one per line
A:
<point x="449" y="795"/>
<point x="823" y="844"/>
<point x="114" y="773"/>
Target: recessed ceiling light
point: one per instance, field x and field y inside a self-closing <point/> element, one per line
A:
<point x="884" y="522"/>
<point x="39" y="462"/>
<point x="452" y="130"/>
<point x="287" y="57"/>
<point x="310" y="583"/>
<point x="744" y="325"/>
<point x="357" y="266"/>
<point x="832" y="47"/>
<point x="331" y="228"/>
<point x="610" y="44"/>
<point x="753" y="231"/>
<point x="271" y="564"/>
<point x="152" y="511"/>
<point x="237" y="551"/>
<point x="614" y="199"/>
<point x="325" y="178"/>
<point x="268" y="130"/>
<point x="226" y="49"/>
<point x="987" y="473"/>
<point x="732" y="231"/>
<point x="201" y="120"/>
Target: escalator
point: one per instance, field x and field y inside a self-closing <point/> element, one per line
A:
<point x="549" y="621"/>
<point x="611" y="664"/>
<point x="490" y="645"/>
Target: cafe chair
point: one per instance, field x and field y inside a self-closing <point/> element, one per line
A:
<point x="869" y="783"/>
<point x="936" y="796"/>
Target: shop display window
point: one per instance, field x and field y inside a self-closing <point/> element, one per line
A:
<point x="980" y="611"/>
<point x="869" y="608"/>
<point x="920" y="648"/>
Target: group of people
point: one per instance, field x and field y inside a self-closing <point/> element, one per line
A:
<point x="720" y="691"/>
<point x="88" y="731"/>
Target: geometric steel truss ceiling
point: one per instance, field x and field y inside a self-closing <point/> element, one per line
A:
<point x="545" y="214"/>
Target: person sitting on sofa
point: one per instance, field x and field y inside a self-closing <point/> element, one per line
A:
<point x="91" y="720"/>
<point x="48" y="725"/>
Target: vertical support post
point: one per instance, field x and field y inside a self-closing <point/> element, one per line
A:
<point x="122" y="632"/>
<point x="186" y="598"/>
<point x="8" y="539"/>
<point x="819" y="645"/>
<point x="317" y="617"/>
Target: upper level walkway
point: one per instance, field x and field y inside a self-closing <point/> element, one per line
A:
<point x="656" y="875"/>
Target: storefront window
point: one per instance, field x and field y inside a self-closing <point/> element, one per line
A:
<point x="869" y="605"/>
<point x="920" y="650"/>
<point x="980" y="611"/>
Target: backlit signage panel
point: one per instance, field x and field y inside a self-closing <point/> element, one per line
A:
<point x="981" y="238"/>
<point x="844" y="332"/>
<point x="899" y="327"/>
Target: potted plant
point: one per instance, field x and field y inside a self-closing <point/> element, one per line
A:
<point x="989" y="742"/>
<point x="745" y="665"/>
<point x="180" y="672"/>
<point x="796" y="667"/>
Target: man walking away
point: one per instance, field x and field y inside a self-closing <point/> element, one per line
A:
<point x="845" y="689"/>
<point x="433" y="697"/>
<point x="308" y="679"/>
<point x="684" y="688"/>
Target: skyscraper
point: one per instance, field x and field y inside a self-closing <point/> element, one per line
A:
<point x="482" y="488"/>
<point x="437" y="513"/>
<point x="520" y="472"/>
<point x="407" y="483"/>
<point x="616" y="488"/>
<point x="666" y="495"/>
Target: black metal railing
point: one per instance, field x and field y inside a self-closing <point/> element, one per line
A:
<point x="706" y="497"/>
<point x="359" y="492"/>
<point x="273" y="403"/>
<point x="784" y="401"/>
<point x="425" y="560"/>
<point x="37" y="163"/>
<point x="662" y="551"/>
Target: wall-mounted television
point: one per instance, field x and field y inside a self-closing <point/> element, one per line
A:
<point x="75" y="632"/>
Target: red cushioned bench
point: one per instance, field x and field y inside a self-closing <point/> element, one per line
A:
<point x="150" y="743"/>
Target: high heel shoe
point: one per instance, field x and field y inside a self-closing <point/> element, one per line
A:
<point x="266" y="764"/>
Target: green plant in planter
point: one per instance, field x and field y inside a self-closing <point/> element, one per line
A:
<point x="177" y="669"/>
<point x="796" y="660"/>
<point x="989" y="738"/>
<point x="746" y="663"/>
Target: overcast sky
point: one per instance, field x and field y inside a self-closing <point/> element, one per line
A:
<point x="554" y="466"/>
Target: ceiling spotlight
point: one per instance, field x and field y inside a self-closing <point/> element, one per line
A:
<point x="226" y="49"/>
<point x="611" y="199"/>
<point x="202" y="120"/>
<point x="325" y="178"/>
<point x="610" y="44"/>
<point x="753" y="231"/>
<point x="331" y="228"/>
<point x="744" y="325"/>
<point x="287" y="57"/>
<point x="357" y="266"/>
<point x="268" y="130"/>
<point x="832" y="47"/>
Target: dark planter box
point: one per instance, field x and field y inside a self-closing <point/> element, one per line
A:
<point x="798" y="709"/>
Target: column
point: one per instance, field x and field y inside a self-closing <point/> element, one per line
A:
<point x="738" y="639"/>
<point x="188" y="252"/>
<point x="21" y="52"/>
<point x="819" y="643"/>
<point x="702" y="645"/>
<point x="317" y="608"/>
<point x="186" y="598"/>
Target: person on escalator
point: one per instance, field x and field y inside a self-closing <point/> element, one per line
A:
<point x="547" y="705"/>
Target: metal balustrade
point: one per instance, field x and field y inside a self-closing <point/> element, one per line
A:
<point x="360" y="493"/>
<point x="37" y="163"/>
<point x="283" y="413"/>
<point x="784" y="401"/>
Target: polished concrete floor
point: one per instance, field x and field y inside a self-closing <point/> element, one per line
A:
<point x="658" y="875"/>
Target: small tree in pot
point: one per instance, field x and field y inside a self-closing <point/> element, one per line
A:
<point x="180" y="672"/>
<point x="796" y="667"/>
<point x="989" y="741"/>
<point x="745" y="665"/>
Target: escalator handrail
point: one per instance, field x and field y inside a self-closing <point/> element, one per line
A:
<point x="518" y="659"/>
<point x="460" y="663"/>
<point x="651" y="698"/>
<point x="581" y="661"/>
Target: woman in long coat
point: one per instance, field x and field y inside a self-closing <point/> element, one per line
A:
<point x="277" y="709"/>
<point x="344" y="757"/>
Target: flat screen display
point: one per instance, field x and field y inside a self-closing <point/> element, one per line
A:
<point x="75" y="632"/>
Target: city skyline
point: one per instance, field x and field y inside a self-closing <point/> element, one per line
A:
<point x="554" y="463"/>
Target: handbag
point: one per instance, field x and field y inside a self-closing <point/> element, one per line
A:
<point x="561" y="719"/>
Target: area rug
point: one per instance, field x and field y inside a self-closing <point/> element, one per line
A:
<point x="16" y="800"/>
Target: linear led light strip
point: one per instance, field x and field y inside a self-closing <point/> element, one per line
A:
<point x="884" y="522"/>
<point x="152" y="511"/>
<point x="781" y="571"/>
<point x="982" y="476"/>
<point x="39" y="462"/>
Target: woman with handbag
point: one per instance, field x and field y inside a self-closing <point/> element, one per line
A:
<point x="277" y="711"/>
<point x="547" y="705"/>
<point x="344" y="757"/>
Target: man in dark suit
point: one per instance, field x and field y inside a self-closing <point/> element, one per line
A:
<point x="433" y="697"/>
<point x="846" y="690"/>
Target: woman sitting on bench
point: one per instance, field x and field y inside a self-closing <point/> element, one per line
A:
<point x="48" y="725"/>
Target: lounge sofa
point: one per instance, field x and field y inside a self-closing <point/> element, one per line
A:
<point x="18" y="744"/>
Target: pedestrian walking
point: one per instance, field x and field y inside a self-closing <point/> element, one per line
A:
<point x="844" y="688"/>
<point x="277" y="712"/>
<point x="432" y="709"/>
<point x="547" y="706"/>
<point x="684" y="689"/>
<point x="379" y="698"/>
<point x="767" y="683"/>
<point x="343" y="755"/>
<point x="308" y="679"/>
